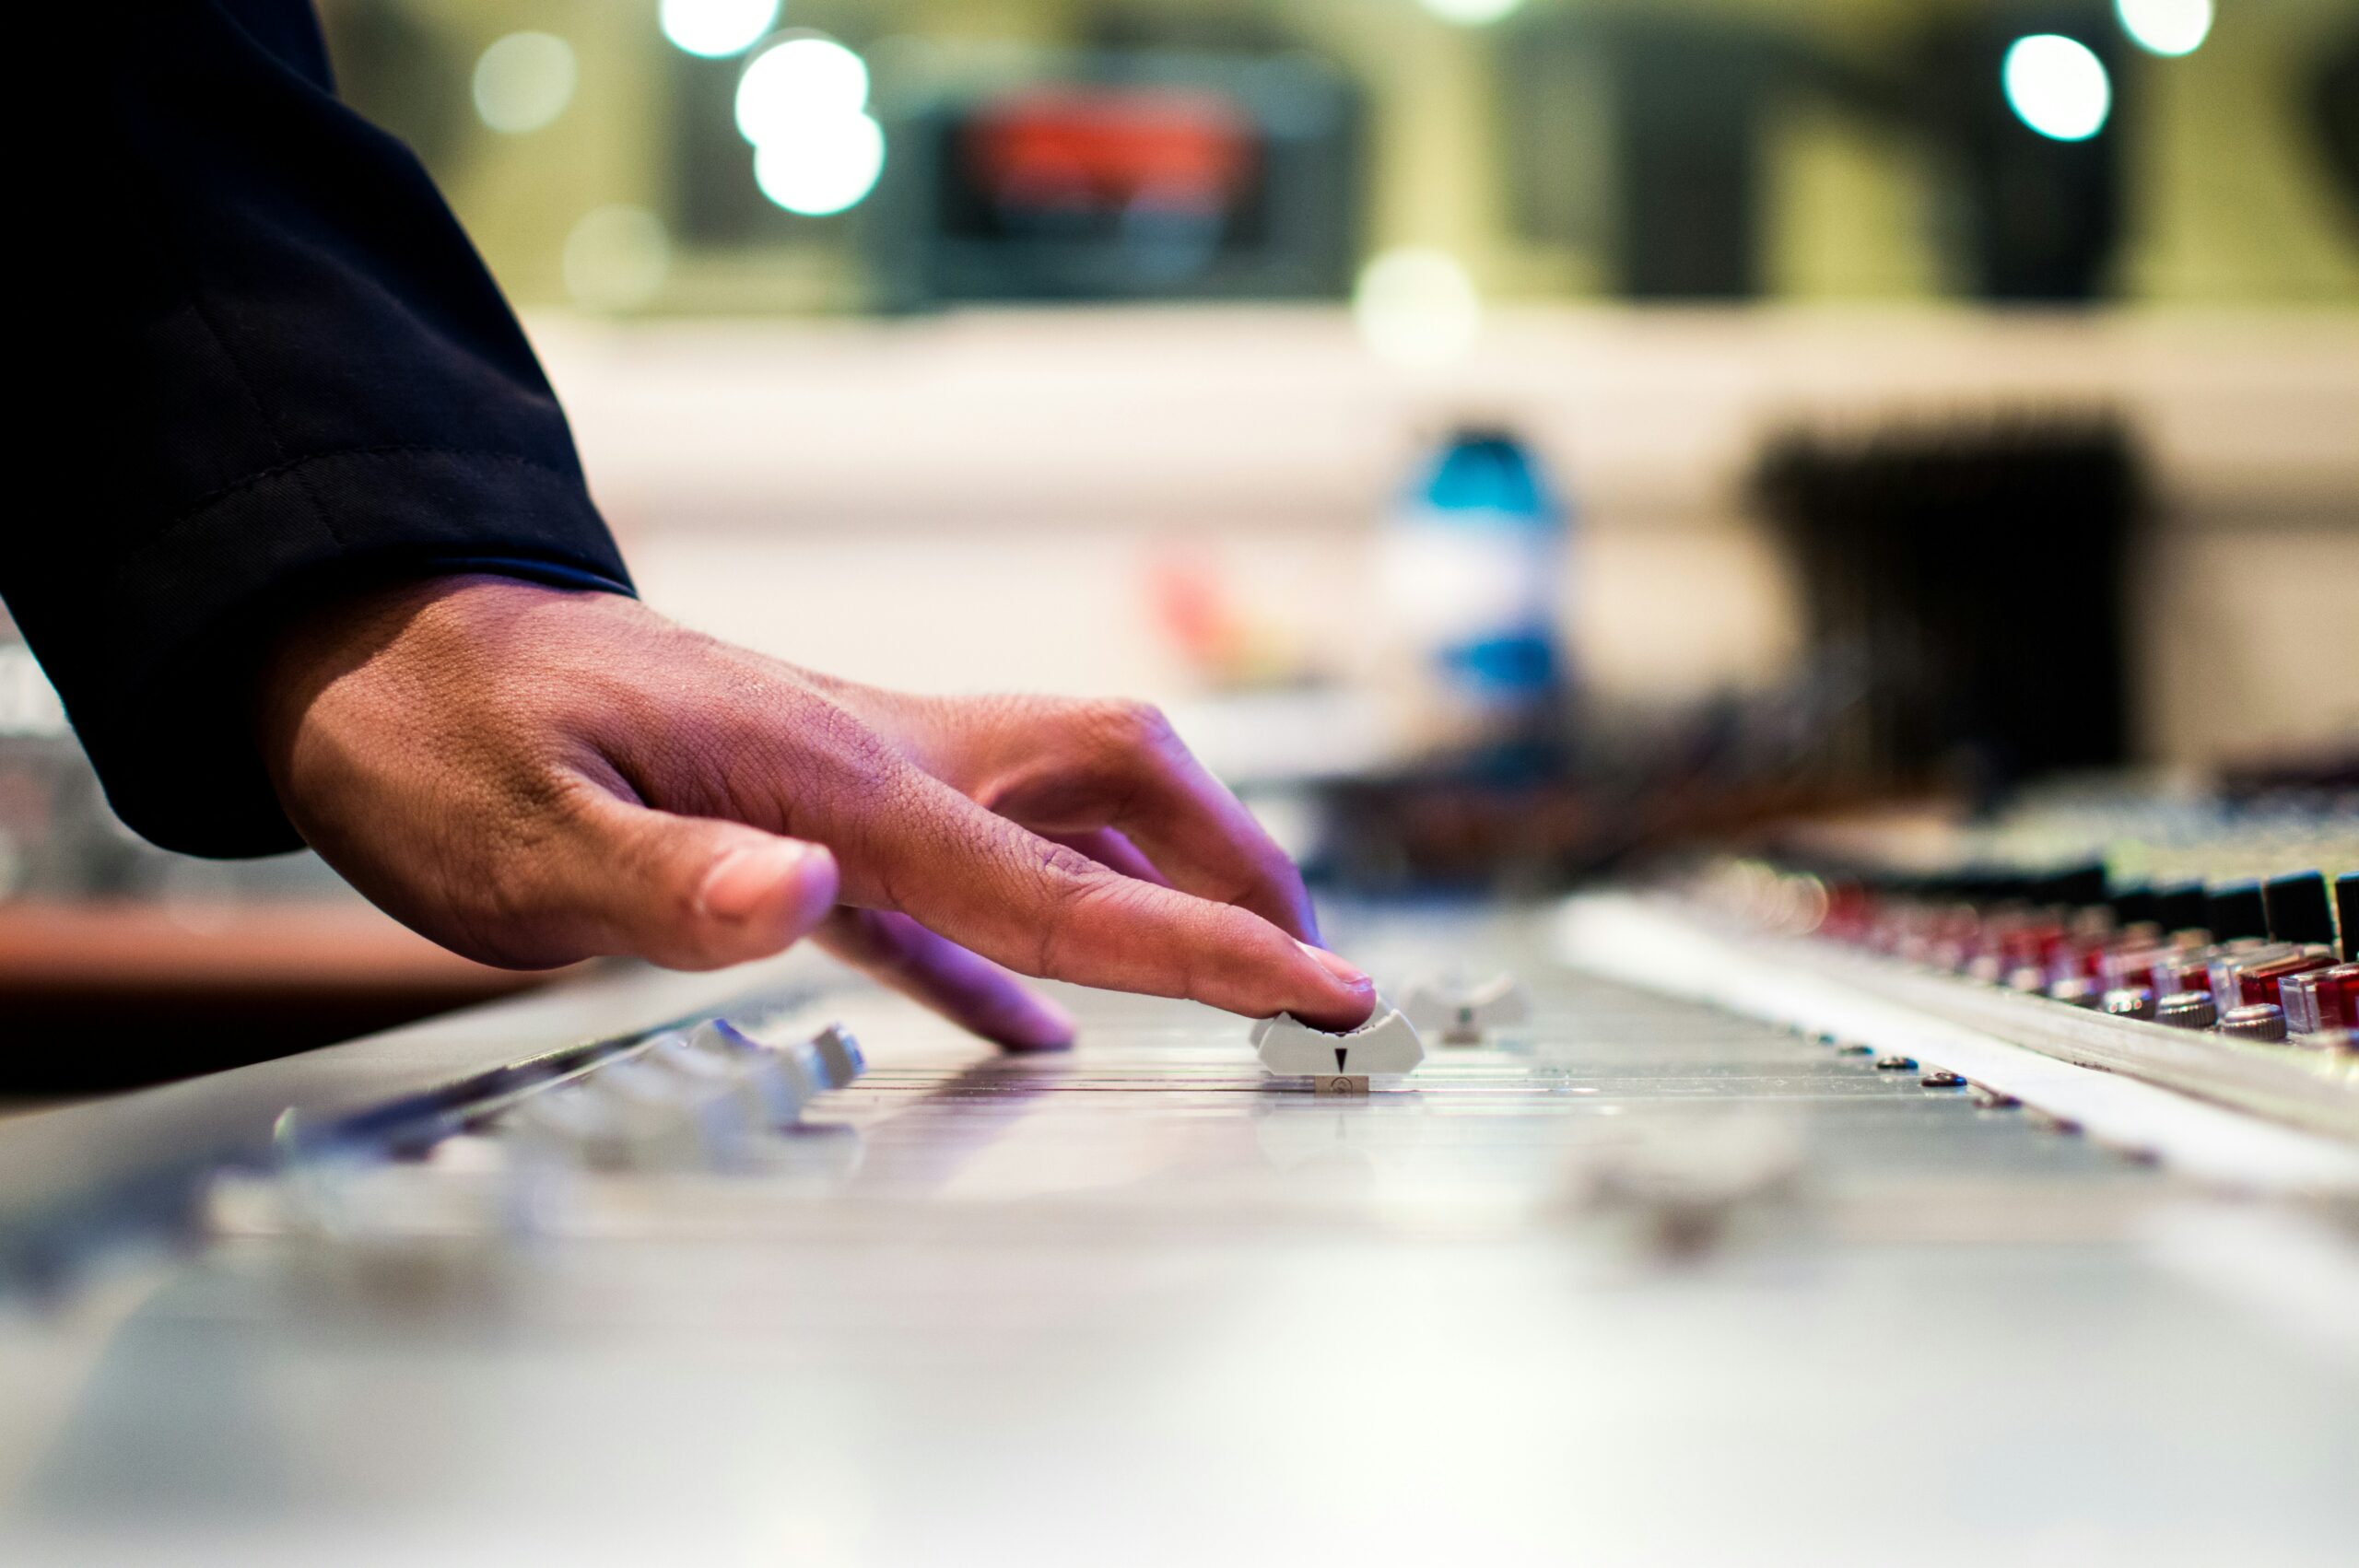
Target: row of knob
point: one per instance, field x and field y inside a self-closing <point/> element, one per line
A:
<point x="2321" y="1007"/>
<point x="2255" y="960"/>
<point x="693" y="1100"/>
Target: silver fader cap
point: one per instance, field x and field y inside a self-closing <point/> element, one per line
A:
<point x="1463" y="1010"/>
<point x="2261" y="1021"/>
<point x="1386" y="1043"/>
<point x="2187" y="1010"/>
<point x="2130" y="1001"/>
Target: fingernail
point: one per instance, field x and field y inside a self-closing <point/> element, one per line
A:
<point x="741" y="879"/>
<point x="1337" y="967"/>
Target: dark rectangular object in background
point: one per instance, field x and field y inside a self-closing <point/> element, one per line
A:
<point x="1973" y="577"/>
<point x="1150" y="174"/>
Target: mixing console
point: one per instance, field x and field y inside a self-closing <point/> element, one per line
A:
<point x="665" y="1267"/>
<point x="2212" y="944"/>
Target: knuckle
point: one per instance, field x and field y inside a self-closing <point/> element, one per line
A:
<point x="1120" y="742"/>
<point x="834" y="747"/>
<point x="1077" y="907"/>
<point x="1073" y="897"/>
<point x="1130" y="726"/>
<point x="1067" y="873"/>
<point x="779" y="756"/>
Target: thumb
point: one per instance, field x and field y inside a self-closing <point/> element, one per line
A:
<point x="695" y="892"/>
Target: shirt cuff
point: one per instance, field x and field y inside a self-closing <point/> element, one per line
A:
<point x="165" y="706"/>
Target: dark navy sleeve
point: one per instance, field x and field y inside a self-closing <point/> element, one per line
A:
<point x="279" y="372"/>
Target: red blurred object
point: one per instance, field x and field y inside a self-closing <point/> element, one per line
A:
<point x="2259" y="983"/>
<point x="1111" y="147"/>
<point x="2321" y="1001"/>
<point x="2193" y="976"/>
<point x="1193" y="603"/>
<point x="1850" y="913"/>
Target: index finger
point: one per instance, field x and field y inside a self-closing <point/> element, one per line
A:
<point x="1087" y="767"/>
<point x="1201" y="836"/>
<point x="1043" y="909"/>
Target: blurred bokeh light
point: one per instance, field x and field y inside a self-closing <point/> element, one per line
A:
<point x="2166" y="27"/>
<point x="717" y="28"/>
<point x="524" y="81"/>
<point x="2057" y="87"/>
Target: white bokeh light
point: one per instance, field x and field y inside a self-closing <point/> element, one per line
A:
<point x="2056" y="85"/>
<point x="616" y="258"/>
<point x="523" y="81"/>
<point x="802" y="102"/>
<point x="823" y="165"/>
<point x="1416" y="307"/>
<point x="1472" y="13"/>
<point x="2166" y="27"/>
<point x="717" y="29"/>
<point x="793" y="84"/>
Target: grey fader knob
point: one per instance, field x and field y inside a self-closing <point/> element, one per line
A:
<point x="567" y="1125"/>
<point x="1464" y="1010"/>
<point x="2187" y="1010"/>
<point x="840" y="1054"/>
<point x="797" y="1070"/>
<point x="673" y="1118"/>
<point x="769" y="1080"/>
<point x="631" y="1116"/>
<point x="1386" y="1043"/>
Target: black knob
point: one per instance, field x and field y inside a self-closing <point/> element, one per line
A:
<point x="2134" y="904"/>
<point x="2297" y="908"/>
<point x="2346" y="911"/>
<point x="2073" y="886"/>
<point x="2237" y="911"/>
<point x="2181" y="907"/>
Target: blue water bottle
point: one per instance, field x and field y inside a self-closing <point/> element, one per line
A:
<point x="1472" y="567"/>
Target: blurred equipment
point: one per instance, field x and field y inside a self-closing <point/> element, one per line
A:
<point x="1652" y="136"/>
<point x="1133" y="175"/>
<point x="1691" y="102"/>
<point x="2203" y="923"/>
<point x="1645" y="135"/>
<point x="2334" y="100"/>
<point x="1973" y="577"/>
<point x="2022" y="107"/>
<point x="122" y="964"/>
<point x="1463" y="1010"/>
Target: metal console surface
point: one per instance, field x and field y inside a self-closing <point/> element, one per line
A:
<point x="1637" y="1280"/>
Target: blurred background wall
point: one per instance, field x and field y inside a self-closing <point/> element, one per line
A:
<point x="1496" y="140"/>
<point x="1649" y="238"/>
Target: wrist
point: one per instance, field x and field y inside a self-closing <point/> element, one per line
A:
<point x="339" y="627"/>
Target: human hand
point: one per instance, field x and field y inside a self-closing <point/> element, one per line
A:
<point x="530" y="776"/>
